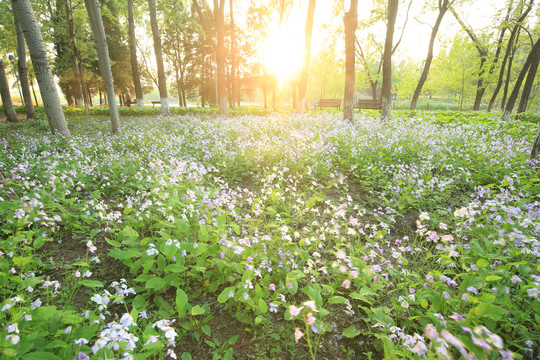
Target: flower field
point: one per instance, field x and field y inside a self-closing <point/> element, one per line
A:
<point x="282" y="236"/>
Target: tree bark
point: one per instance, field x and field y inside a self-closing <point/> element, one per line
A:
<point x="23" y="73"/>
<point x="74" y="56"/>
<point x="302" y="84"/>
<point x="234" y="87"/>
<point x="133" y="56"/>
<point x="220" y="57"/>
<point x="525" y="94"/>
<point x="386" y="97"/>
<point x="350" y="22"/>
<point x="532" y="59"/>
<point x="162" y="81"/>
<point x="443" y="7"/>
<point x="9" y="109"/>
<point x="96" y="22"/>
<point x="509" y="47"/>
<point x="36" y="47"/>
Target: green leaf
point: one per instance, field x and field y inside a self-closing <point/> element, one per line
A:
<point x="39" y="242"/>
<point x="482" y="263"/>
<point x="40" y="355"/>
<point x="351" y="332"/>
<point x="493" y="278"/>
<point x="156" y="283"/>
<point x="197" y="310"/>
<point x="488" y="310"/>
<point x="228" y="355"/>
<point x="224" y="296"/>
<point x="186" y="356"/>
<point x="263" y="306"/>
<point x="258" y="319"/>
<point x="56" y="344"/>
<point x="123" y="255"/>
<point x="181" y="303"/>
<point x="337" y="300"/>
<point x="92" y="283"/>
<point x="112" y="242"/>
<point x="364" y="294"/>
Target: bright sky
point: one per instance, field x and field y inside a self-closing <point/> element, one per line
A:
<point x="283" y="49"/>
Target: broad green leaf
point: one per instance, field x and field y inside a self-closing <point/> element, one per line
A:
<point x="186" y="356"/>
<point x="197" y="310"/>
<point x="351" y="332"/>
<point x="181" y="303"/>
<point x="156" y="283"/>
<point x="226" y="294"/>
<point x="92" y="283"/>
<point x="493" y="278"/>
<point x="337" y="300"/>
<point x="40" y="355"/>
<point x="263" y="306"/>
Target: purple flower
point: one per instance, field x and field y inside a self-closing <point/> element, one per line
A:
<point x="472" y="289"/>
<point x="446" y="295"/>
<point x="464" y="297"/>
<point x="272" y="287"/>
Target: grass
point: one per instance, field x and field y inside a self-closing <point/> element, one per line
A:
<point x="270" y="236"/>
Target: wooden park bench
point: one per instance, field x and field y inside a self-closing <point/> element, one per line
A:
<point x="368" y="104"/>
<point x="335" y="103"/>
<point x="156" y="102"/>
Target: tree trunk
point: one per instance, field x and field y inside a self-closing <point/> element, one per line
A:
<point x="36" y="47"/>
<point x="87" y="98"/>
<point x="302" y="84"/>
<point x="33" y="90"/>
<point x="96" y="22"/>
<point x="532" y="59"/>
<point x="429" y="58"/>
<point x="79" y="98"/>
<point x="23" y="73"/>
<point x="386" y="96"/>
<point x="508" y="75"/>
<point x="233" y="55"/>
<point x="350" y="21"/>
<point x="220" y="57"/>
<point x="162" y="80"/>
<point x="9" y="110"/>
<point x="529" y="83"/>
<point x="133" y="56"/>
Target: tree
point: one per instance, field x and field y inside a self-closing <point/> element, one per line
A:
<point x="530" y="66"/>
<point x="133" y="56"/>
<point x="77" y="82"/>
<point x="23" y="73"/>
<point x="350" y="21"/>
<point x="442" y="6"/>
<point x="386" y="96"/>
<point x="522" y="11"/>
<point x="234" y="64"/>
<point x="302" y="83"/>
<point x="36" y="46"/>
<point x="96" y="22"/>
<point x="218" y="46"/>
<point x="9" y="110"/>
<point x="162" y="80"/>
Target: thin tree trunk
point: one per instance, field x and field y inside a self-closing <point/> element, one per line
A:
<point x="162" y="80"/>
<point x="529" y="83"/>
<point x="87" y="98"/>
<point x="302" y="84"/>
<point x="9" y="109"/>
<point x="508" y="75"/>
<point x="79" y="98"/>
<point x="233" y="56"/>
<point x="386" y="97"/>
<point x="23" y="73"/>
<point x="33" y="90"/>
<point x="94" y="13"/>
<point x="350" y="21"/>
<point x="443" y="7"/>
<point x="220" y="57"/>
<point x="36" y="47"/>
<point x="532" y="58"/>
<point x="133" y="56"/>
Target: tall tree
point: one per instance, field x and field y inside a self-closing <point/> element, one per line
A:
<point x="133" y="56"/>
<point x="531" y="75"/>
<point x="234" y="65"/>
<point x="531" y="64"/>
<point x="162" y="80"/>
<point x="442" y="6"/>
<point x="302" y="83"/>
<point x="218" y="47"/>
<point x="23" y="73"/>
<point x="80" y="99"/>
<point x="522" y="11"/>
<point x="96" y="22"/>
<point x="350" y="22"/>
<point x="386" y="96"/>
<point x="9" y="110"/>
<point x="36" y="46"/>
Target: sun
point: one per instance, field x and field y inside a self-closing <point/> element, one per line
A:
<point x="282" y="52"/>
